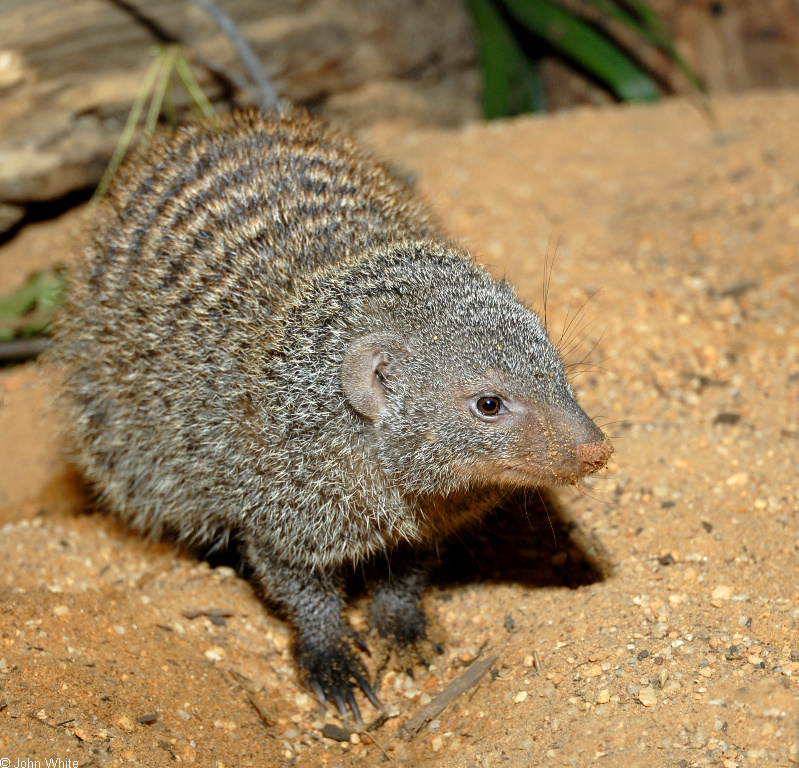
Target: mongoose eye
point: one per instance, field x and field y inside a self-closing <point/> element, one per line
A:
<point x="489" y="406"/>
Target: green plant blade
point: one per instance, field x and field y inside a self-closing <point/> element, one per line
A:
<point x="511" y="82"/>
<point x="42" y="292"/>
<point x="17" y="303"/>
<point x="170" y="55"/>
<point x="130" y="124"/>
<point x="648" y="28"/>
<point x="648" y="25"/>
<point x="193" y="88"/>
<point x="588" y="48"/>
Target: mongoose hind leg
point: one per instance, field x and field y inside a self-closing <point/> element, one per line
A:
<point x="311" y="601"/>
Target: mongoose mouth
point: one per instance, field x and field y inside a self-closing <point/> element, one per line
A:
<point x="560" y="467"/>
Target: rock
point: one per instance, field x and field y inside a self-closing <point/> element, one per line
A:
<point x="10" y="216"/>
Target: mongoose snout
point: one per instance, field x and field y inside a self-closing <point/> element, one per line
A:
<point x="268" y="341"/>
<point x="592" y="457"/>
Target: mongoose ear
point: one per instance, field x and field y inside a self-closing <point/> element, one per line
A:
<point x="367" y="371"/>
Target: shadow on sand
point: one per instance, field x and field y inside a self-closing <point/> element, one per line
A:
<point x="530" y="540"/>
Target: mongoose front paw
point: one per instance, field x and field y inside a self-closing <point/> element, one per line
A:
<point x="332" y="673"/>
<point x="401" y="621"/>
<point x="403" y="629"/>
<point x="404" y="625"/>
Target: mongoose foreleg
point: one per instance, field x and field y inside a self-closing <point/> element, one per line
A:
<point x="311" y="601"/>
<point x="396" y="610"/>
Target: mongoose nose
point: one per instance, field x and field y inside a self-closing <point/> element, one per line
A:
<point x="591" y="457"/>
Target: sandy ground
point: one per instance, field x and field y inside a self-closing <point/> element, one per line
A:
<point x="649" y="621"/>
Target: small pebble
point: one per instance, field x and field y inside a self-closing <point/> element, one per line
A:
<point x="126" y="723"/>
<point x="738" y="479"/>
<point x="590" y="670"/>
<point x="647" y="696"/>
<point x="335" y="732"/>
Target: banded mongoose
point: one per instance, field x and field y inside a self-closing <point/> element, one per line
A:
<point x="268" y="341"/>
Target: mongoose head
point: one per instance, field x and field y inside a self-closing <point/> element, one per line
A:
<point x="460" y="383"/>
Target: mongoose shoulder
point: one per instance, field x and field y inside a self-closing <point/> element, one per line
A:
<point x="268" y="340"/>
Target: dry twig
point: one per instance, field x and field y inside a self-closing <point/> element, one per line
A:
<point x="467" y="680"/>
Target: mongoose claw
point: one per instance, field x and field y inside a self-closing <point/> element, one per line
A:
<point x="354" y="706"/>
<point x="338" y="700"/>
<point x="360" y="644"/>
<point x="363" y="683"/>
<point x="317" y="691"/>
<point x="332" y="676"/>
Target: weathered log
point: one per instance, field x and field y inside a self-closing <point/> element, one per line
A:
<point x="70" y="69"/>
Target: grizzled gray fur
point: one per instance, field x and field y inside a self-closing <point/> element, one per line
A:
<point x="268" y="341"/>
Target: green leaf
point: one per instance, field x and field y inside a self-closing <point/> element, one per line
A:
<point x="42" y="292"/>
<point x="581" y="43"/>
<point x="649" y="26"/>
<point x="511" y="81"/>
